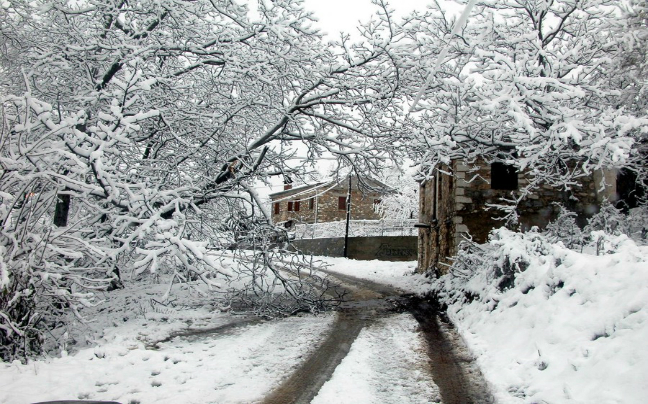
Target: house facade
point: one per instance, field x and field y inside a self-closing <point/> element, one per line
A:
<point x="453" y="206"/>
<point x="326" y="201"/>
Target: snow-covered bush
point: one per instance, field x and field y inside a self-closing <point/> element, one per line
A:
<point x="565" y="229"/>
<point x="609" y="220"/>
<point x="548" y="323"/>
<point x="638" y="224"/>
<point x="482" y="272"/>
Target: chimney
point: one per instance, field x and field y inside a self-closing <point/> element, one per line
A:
<point x="287" y="183"/>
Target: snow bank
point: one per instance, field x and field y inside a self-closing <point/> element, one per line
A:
<point x="552" y="325"/>
<point x="116" y="357"/>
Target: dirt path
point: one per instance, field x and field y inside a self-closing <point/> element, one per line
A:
<point x="452" y="368"/>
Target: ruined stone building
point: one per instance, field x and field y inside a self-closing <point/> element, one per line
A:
<point x="453" y="206"/>
<point x="326" y="201"/>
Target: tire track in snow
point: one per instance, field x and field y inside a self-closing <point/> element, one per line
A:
<point x="306" y="381"/>
<point x="453" y="369"/>
<point x="367" y="299"/>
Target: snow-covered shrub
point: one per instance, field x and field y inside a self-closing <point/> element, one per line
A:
<point x="568" y="317"/>
<point x="638" y="224"/>
<point x="565" y="229"/>
<point x="496" y="264"/>
<point x="44" y="270"/>
<point x="609" y="220"/>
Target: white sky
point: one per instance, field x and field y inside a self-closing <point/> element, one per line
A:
<point x="336" y="16"/>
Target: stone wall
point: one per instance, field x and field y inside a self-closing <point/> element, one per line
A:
<point x="327" y="247"/>
<point x="306" y="214"/>
<point x="474" y="193"/>
<point x="326" y="204"/>
<point x="460" y="210"/>
<point x="363" y="248"/>
<point x="436" y="215"/>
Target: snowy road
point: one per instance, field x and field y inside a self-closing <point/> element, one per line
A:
<point x="384" y="348"/>
<point x="378" y="347"/>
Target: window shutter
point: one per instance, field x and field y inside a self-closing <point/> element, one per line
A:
<point x="296" y="206"/>
<point x="342" y="203"/>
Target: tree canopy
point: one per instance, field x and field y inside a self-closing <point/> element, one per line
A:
<point x="535" y="84"/>
<point x="133" y="131"/>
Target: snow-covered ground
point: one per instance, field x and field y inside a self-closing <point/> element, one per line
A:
<point x="387" y="363"/>
<point x="238" y="365"/>
<point x="397" y="274"/>
<point x="115" y="356"/>
<point x="572" y="329"/>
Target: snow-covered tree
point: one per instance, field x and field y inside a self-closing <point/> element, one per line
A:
<point x="530" y="83"/>
<point x="403" y="204"/>
<point x="132" y="130"/>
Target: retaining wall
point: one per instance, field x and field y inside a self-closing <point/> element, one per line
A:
<point x="384" y="248"/>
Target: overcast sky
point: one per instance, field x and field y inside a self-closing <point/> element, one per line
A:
<point x="343" y="15"/>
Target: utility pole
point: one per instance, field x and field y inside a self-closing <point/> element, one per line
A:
<point x="348" y="218"/>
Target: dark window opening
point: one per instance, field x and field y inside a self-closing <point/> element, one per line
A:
<point x="629" y="191"/>
<point x="276" y="208"/>
<point x="504" y="176"/>
<point x="296" y="206"/>
<point x="311" y="203"/>
<point x="342" y="202"/>
<point x="290" y="206"/>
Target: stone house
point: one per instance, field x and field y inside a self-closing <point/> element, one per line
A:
<point x="453" y="206"/>
<point x="326" y="201"/>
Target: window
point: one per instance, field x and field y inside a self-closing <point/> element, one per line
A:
<point x="504" y="176"/>
<point x="342" y="202"/>
<point x="311" y="203"/>
<point x="293" y="206"/>
<point x="276" y="208"/>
